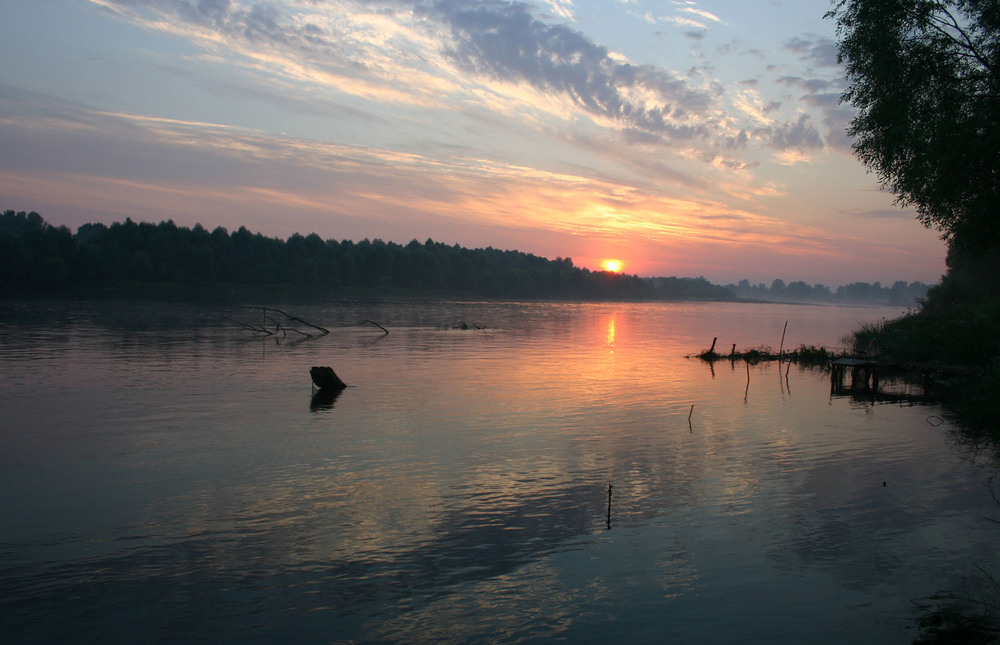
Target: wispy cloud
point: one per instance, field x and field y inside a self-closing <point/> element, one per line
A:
<point x="750" y="103"/>
<point x="701" y="13"/>
<point x="256" y="172"/>
<point x="391" y="118"/>
<point x="561" y="8"/>
<point x="686" y="14"/>
<point x="434" y="53"/>
<point x="819" y="51"/>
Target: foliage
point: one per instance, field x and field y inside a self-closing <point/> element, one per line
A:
<point x="957" y="624"/>
<point x="967" y="334"/>
<point x="36" y="255"/>
<point x="688" y="289"/>
<point x="900" y="293"/>
<point x="810" y="355"/>
<point x="924" y="77"/>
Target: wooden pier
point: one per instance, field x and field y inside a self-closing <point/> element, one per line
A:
<point x="864" y="375"/>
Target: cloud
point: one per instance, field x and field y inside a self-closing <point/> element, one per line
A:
<point x="688" y="16"/>
<point x="684" y="21"/>
<point x="810" y="85"/>
<point x="750" y="103"/>
<point x="435" y="52"/>
<point x="505" y="42"/>
<point x="561" y="8"/>
<point x="888" y="213"/>
<point x="836" y="118"/>
<point x="158" y="167"/>
<point x="701" y="13"/>
<point x="800" y="135"/>
<point x="819" y="51"/>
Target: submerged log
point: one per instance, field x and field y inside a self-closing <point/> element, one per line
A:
<point x="326" y="379"/>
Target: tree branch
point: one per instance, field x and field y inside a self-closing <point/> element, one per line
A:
<point x="945" y="26"/>
<point x="372" y="322"/>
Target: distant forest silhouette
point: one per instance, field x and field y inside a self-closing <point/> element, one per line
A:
<point x="900" y="293"/>
<point x="35" y="254"/>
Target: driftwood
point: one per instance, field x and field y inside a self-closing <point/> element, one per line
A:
<point x="272" y="325"/>
<point x="326" y="379"/>
<point x="372" y="322"/>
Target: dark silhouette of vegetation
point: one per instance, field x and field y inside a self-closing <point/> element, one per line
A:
<point x="688" y="289"/>
<point x="924" y="76"/>
<point x="811" y="355"/>
<point x="900" y="293"/>
<point x="36" y="255"/>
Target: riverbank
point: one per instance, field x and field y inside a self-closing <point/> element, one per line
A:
<point x="961" y="335"/>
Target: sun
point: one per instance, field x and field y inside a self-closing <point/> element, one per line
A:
<point x="614" y="266"/>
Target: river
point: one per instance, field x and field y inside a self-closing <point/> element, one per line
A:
<point x="554" y="471"/>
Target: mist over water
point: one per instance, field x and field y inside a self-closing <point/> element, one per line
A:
<point x="166" y="476"/>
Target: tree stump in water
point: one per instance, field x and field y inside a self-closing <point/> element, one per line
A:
<point x="326" y="379"/>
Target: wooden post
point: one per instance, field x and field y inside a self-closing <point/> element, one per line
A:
<point x="609" y="507"/>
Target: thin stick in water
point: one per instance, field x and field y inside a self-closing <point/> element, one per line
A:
<point x="782" y="345"/>
<point x="609" y="507"/>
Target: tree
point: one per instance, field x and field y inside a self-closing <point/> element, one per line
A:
<point x="924" y="77"/>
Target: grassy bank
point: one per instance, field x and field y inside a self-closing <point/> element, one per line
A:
<point x="803" y="355"/>
<point x="962" y="338"/>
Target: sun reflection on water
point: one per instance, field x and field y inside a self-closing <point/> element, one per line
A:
<point x="458" y="489"/>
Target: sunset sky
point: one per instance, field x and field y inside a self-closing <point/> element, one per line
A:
<point x="683" y="138"/>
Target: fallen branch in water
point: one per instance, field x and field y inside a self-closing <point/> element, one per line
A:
<point x="297" y="319"/>
<point x="256" y="329"/>
<point x="270" y="322"/>
<point x="372" y="322"/>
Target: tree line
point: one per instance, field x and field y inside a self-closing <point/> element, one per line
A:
<point x="901" y="293"/>
<point x="35" y="254"/>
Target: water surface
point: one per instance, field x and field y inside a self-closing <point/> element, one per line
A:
<point x="166" y="476"/>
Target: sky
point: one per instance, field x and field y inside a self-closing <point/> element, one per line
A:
<point x="682" y="138"/>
